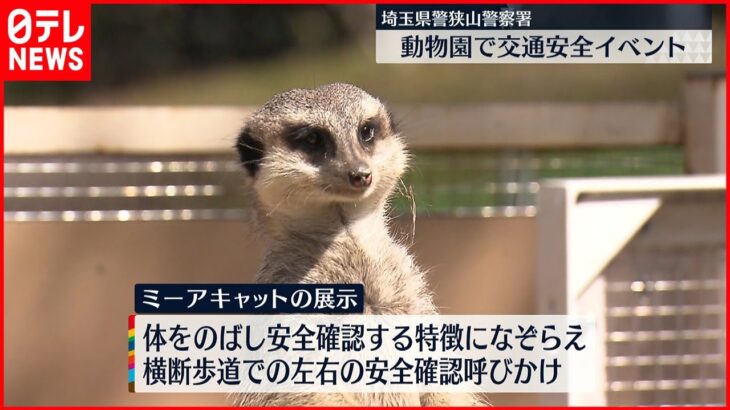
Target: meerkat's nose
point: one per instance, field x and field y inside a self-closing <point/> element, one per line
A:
<point x="360" y="178"/>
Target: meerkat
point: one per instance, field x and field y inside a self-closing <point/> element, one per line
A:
<point x="320" y="165"/>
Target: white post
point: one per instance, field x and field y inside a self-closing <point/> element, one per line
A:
<point x="705" y="124"/>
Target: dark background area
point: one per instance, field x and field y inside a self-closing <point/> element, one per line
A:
<point x="234" y="54"/>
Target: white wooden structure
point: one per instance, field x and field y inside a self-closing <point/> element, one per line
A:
<point x="642" y="256"/>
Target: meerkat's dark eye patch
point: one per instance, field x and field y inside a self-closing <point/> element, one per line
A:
<point x="394" y="124"/>
<point x="250" y="151"/>
<point x="315" y="142"/>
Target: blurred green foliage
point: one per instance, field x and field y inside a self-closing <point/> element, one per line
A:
<point x="142" y="41"/>
<point x="132" y="43"/>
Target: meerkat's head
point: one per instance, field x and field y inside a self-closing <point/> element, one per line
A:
<point x="335" y="144"/>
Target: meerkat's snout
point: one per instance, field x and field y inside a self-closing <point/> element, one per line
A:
<point x="361" y="177"/>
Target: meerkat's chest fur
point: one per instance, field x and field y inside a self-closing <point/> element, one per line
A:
<point x="356" y="254"/>
<point x="393" y="283"/>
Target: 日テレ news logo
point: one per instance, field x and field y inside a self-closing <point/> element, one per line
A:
<point x="46" y="41"/>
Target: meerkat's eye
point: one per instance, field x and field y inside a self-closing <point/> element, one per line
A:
<point x="312" y="139"/>
<point x="314" y="142"/>
<point x="309" y="140"/>
<point x="367" y="133"/>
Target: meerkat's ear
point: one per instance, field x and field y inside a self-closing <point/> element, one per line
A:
<point x="250" y="151"/>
